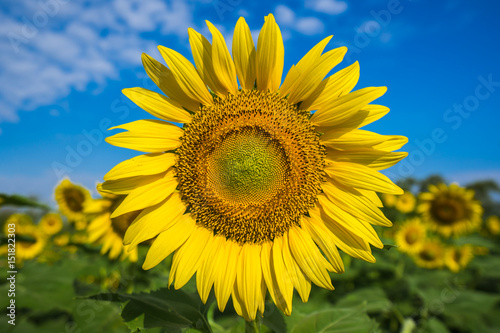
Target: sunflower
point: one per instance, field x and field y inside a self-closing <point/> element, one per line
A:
<point x="493" y="225"/>
<point x="457" y="258"/>
<point x="389" y="199"/>
<point x="254" y="188"/>
<point x="430" y="255"/>
<point x="61" y="240"/>
<point x="19" y="220"/>
<point x="30" y="244"/>
<point x="51" y="223"/>
<point x="405" y="203"/>
<point x="71" y="199"/>
<point x="411" y="236"/>
<point x="110" y="231"/>
<point x="450" y="210"/>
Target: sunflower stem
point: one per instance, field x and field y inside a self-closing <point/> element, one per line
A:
<point x="253" y="326"/>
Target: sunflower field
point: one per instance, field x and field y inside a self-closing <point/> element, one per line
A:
<point x="438" y="271"/>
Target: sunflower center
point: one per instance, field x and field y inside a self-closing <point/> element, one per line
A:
<point x="428" y="255"/>
<point x="250" y="165"/>
<point x="411" y="237"/>
<point x="447" y="211"/>
<point x="74" y="199"/>
<point x="121" y="223"/>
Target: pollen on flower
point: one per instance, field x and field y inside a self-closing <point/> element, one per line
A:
<point x="250" y="165"/>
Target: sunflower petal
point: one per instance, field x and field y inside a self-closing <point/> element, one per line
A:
<point x="345" y="139"/>
<point x="296" y="71"/>
<point x="332" y="87"/>
<point x="151" y="136"/>
<point x="311" y="79"/>
<point x="127" y="185"/>
<point x="154" y="220"/>
<point x="222" y="62"/>
<point x="186" y="76"/>
<point x="189" y="256"/>
<point x="248" y="277"/>
<point x="225" y="278"/>
<point x="147" y="195"/>
<point x="270" y="56"/>
<point x="168" y="241"/>
<point x="203" y="58"/>
<point x="346" y="106"/>
<point x="280" y="274"/>
<point x="142" y="165"/>
<point x="165" y="80"/>
<point x="158" y="105"/>
<point x="244" y="54"/>
<point x="269" y="278"/>
<point x="373" y="158"/>
<point x="300" y="281"/>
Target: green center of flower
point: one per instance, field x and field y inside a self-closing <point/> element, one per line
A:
<point x="247" y="167"/>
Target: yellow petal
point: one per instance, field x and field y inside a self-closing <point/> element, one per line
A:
<point x="127" y="185"/>
<point x="248" y="277"/>
<point x="366" y="115"/>
<point x="300" y="281"/>
<point x="225" y="278"/>
<point x="154" y="220"/>
<point x="346" y="106"/>
<point x="190" y="255"/>
<point x="345" y="139"/>
<point x="222" y="62"/>
<point x="151" y="136"/>
<point x="186" y="76"/>
<point x="244" y="54"/>
<point x="270" y="278"/>
<point x="297" y="71"/>
<point x="311" y="79"/>
<point x="308" y="257"/>
<point x="331" y="88"/>
<point x="202" y="55"/>
<point x="280" y="274"/>
<point x="165" y="80"/>
<point x="323" y="237"/>
<point x="355" y="204"/>
<point x="142" y="165"/>
<point x="168" y="241"/>
<point x="147" y="195"/>
<point x="158" y="105"/>
<point x="360" y="176"/>
<point x="270" y="56"/>
<point x="373" y="158"/>
<point x="348" y="242"/>
<point x="205" y="276"/>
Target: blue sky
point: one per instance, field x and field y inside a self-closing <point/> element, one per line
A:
<point x="64" y="63"/>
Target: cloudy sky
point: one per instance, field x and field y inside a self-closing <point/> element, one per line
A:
<point x="64" y="63"/>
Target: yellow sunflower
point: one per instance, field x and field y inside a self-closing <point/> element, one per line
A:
<point x="457" y="258"/>
<point x="33" y="243"/>
<point x="430" y="255"/>
<point x="51" y="223"/>
<point x="110" y="231"/>
<point x="411" y="236"/>
<point x="61" y="240"/>
<point x="389" y="199"/>
<point x="71" y="199"/>
<point x="493" y="225"/>
<point x="450" y="210"/>
<point x="255" y="187"/>
<point x="405" y="203"/>
<point x="20" y="221"/>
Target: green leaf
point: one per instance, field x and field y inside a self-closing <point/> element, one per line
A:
<point x="273" y="318"/>
<point x="375" y="298"/>
<point x="171" y="309"/>
<point x="19" y="200"/>
<point x="348" y="320"/>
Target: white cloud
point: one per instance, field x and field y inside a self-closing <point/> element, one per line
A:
<point x="332" y="7"/>
<point x="76" y="45"/>
<point x="309" y="26"/>
<point x="284" y="15"/>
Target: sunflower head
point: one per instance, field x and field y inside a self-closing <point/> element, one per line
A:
<point x="33" y="243"/>
<point x="450" y="210"/>
<point x="51" y="223"/>
<point x="20" y="221"/>
<point x="493" y="225"/>
<point x="430" y="255"/>
<point x="458" y="257"/>
<point x="405" y="203"/>
<point x="410" y="236"/>
<point x="265" y="180"/>
<point x="71" y="199"/>
<point x="61" y="240"/>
